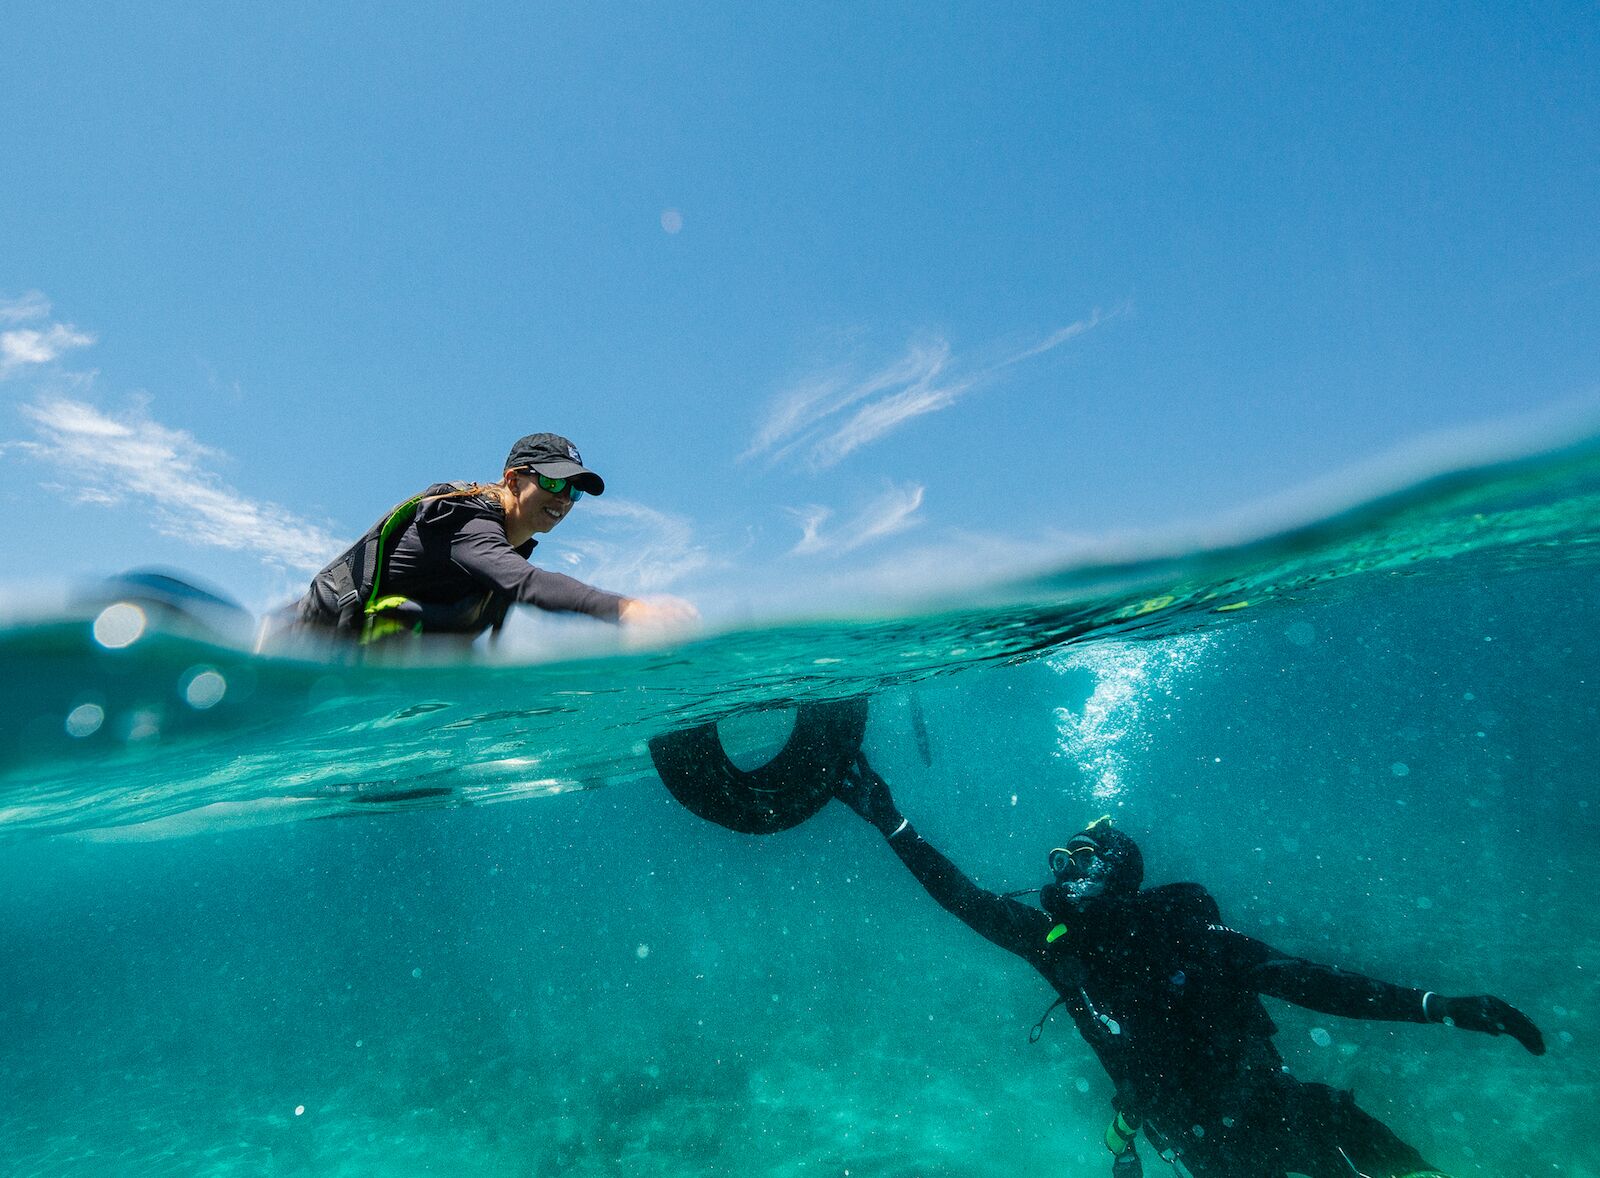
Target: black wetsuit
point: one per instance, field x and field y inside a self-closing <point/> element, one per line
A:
<point x="457" y="570"/>
<point x="1169" y="1000"/>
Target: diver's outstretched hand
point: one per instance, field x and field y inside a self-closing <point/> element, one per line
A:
<point x="865" y="791"/>
<point x="1486" y="1013"/>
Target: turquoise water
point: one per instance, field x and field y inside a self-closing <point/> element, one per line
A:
<point x="1374" y="739"/>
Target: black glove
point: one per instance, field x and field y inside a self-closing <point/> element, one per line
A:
<point x="1486" y="1013"/>
<point x="865" y="792"/>
<point x="1127" y="1164"/>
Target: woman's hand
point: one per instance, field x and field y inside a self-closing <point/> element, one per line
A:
<point x="657" y="611"/>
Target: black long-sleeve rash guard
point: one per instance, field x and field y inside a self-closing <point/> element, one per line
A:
<point x="454" y="549"/>
<point x="1166" y="995"/>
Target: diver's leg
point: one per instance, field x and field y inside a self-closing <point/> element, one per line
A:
<point x="1343" y="1140"/>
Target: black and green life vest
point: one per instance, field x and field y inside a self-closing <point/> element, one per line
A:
<point x="349" y="594"/>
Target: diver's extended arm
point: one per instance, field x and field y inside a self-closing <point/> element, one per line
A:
<point x="1007" y="923"/>
<point x="1336" y="991"/>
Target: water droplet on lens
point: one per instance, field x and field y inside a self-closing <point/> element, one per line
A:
<point x="119" y="625"/>
<point x="1320" y="1036"/>
<point x="85" y="720"/>
<point x="204" y="688"/>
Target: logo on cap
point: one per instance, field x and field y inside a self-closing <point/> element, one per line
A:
<point x="572" y="453"/>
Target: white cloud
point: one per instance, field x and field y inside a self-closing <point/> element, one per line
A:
<point x="826" y="416"/>
<point x="871" y="422"/>
<point x="116" y="460"/>
<point x="32" y="305"/>
<point x="1061" y="335"/>
<point x="891" y="512"/>
<point x="23" y="346"/>
<point x="796" y="420"/>
<point x="635" y="549"/>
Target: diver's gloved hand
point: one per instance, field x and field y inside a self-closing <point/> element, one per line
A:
<point x="1486" y="1013"/>
<point x="865" y="791"/>
<point x="1127" y="1164"/>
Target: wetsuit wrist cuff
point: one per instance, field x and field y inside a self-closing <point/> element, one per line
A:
<point x="904" y="824"/>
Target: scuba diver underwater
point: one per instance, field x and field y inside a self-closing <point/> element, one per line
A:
<point x="1169" y="1000"/>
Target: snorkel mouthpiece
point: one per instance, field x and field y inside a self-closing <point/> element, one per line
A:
<point x="1056" y="900"/>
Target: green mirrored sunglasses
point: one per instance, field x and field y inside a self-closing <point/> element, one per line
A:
<point x="558" y="486"/>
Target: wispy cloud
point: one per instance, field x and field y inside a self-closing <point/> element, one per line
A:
<point x="32" y="305"/>
<point x="633" y="548"/>
<point x="112" y="461"/>
<point x="23" y="347"/>
<point x="1061" y="335"/>
<point x="828" y="415"/>
<point x="892" y="511"/>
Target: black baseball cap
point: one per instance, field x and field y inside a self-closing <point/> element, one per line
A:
<point x="557" y="458"/>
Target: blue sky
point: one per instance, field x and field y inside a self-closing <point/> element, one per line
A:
<point x="830" y="294"/>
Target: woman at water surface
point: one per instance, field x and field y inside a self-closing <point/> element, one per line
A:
<point x="453" y="558"/>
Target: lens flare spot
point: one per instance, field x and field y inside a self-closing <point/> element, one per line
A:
<point x="1301" y="633"/>
<point x="204" y="687"/>
<point x="119" y="625"/>
<point x="85" y="720"/>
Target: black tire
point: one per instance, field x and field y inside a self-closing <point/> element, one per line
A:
<point x="785" y="791"/>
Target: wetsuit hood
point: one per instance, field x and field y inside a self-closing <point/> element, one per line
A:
<point x="1099" y="863"/>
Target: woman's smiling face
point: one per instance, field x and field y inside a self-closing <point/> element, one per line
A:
<point x="531" y="510"/>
